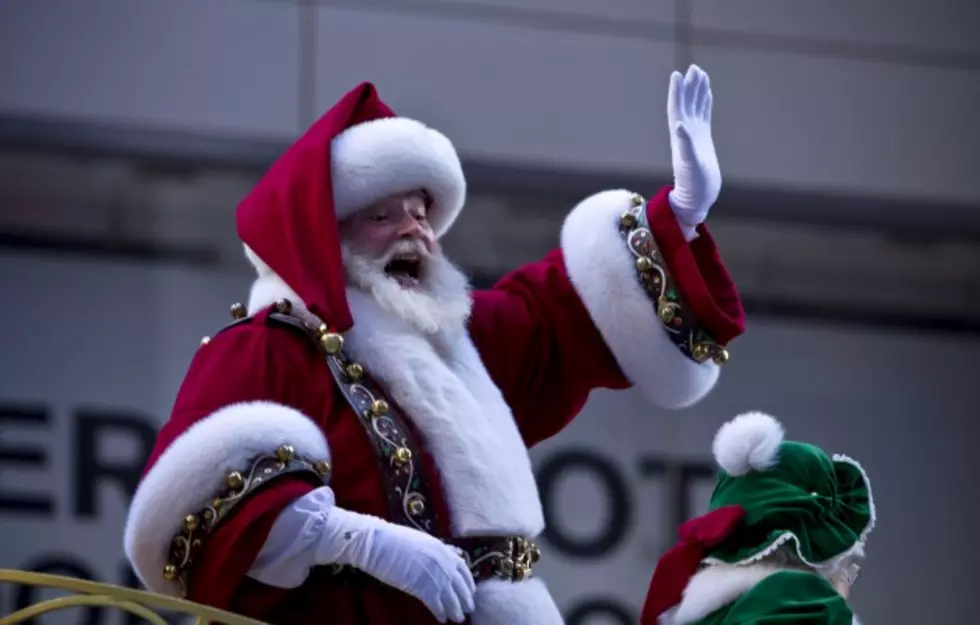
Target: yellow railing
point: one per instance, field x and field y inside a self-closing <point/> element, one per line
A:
<point x="95" y="594"/>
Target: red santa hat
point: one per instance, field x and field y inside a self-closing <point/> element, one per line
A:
<point x="680" y="562"/>
<point x="358" y="152"/>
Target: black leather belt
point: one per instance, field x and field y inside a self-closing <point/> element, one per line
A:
<point x="498" y="557"/>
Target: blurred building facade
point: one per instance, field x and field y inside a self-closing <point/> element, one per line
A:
<point x="850" y="218"/>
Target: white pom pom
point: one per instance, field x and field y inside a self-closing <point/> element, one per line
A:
<point x="748" y="442"/>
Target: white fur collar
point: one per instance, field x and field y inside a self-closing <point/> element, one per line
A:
<point x="717" y="586"/>
<point x="443" y="387"/>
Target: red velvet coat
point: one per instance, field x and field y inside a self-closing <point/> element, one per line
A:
<point x="545" y="336"/>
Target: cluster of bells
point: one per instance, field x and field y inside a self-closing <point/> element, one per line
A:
<point x="235" y="482"/>
<point x="667" y="310"/>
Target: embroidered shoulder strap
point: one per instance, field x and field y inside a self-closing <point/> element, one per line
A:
<point x="396" y="448"/>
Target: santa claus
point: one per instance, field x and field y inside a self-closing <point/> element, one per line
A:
<point x="353" y="449"/>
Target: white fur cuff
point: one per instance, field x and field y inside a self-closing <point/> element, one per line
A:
<point x="192" y="470"/>
<point x="600" y="268"/>
<point x="375" y="159"/>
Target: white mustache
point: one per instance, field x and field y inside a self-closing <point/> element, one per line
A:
<point x="405" y="247"/>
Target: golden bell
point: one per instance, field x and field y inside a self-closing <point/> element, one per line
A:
<point x="284" y="306"/>
<point x="322" y="467"/>
<point x="285" y="453"/>
<point x="665" y="310"/>
<point x="235" y="480"/>
<point x="354" y="371"/>
<point x="722" y="357"/>
<point x="403" y="455"/>
<point x="379" y="407"/>
<point x="170" y="572"/>
<point x="191" y="522"/>
<point x="627" y="220"/>
<point x="637" y="200"/>
<point x="238" y="311"/>
<point x="700" y="352"/>
<point x="332" y="342"/>
<point x="644" y="264"/>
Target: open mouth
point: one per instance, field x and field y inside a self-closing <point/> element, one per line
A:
<point x="405" y="269"/>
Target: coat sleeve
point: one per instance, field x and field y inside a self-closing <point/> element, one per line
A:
<point x="242" y="399"/>
<point x="791" y="597"/>
<point x="579" y="319"/>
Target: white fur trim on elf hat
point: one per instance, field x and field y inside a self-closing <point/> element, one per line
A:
<point x="748" y="442"/>
<point x="375" y="159"/>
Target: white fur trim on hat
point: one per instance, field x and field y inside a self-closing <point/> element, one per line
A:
<point x="748" y="442"/>
<point x="379" y="158"/>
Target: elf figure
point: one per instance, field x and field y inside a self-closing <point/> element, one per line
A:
<point x="781" y="543"/>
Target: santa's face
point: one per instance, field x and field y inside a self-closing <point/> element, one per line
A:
<point x="391" y="253"/>
<point x="394" y="232"/>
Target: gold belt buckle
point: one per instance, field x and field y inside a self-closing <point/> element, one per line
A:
<point x="526" y="554"/>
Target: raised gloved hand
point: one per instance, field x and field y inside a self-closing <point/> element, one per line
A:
<point x="697" y="176"/>
<point x="407" y="559"/>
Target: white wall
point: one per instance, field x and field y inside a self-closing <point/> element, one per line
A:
<point x="873" y="97"/>
<point x="84" y="335"/>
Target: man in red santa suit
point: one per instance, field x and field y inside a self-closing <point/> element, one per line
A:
<point x="352" y="450"/>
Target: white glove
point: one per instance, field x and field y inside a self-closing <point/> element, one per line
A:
<point x="404" y="558"/>
<point x="697" y="176"/>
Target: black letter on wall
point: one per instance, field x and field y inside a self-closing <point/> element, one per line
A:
<point x="33" y="457"/>
<point x="90" y="469"/>
<point x="619" y="503"/>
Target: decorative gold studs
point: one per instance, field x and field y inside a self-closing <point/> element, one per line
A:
<point x="722" y="357"/>
<point x="238" y="311"/>
<point x="627" y="220"/>
<point x="700" y="352"/>
<point x="637" y="200"/>
<point x="331" y="341"/>
<point x="644" y="264"/>
<point x="354" y="371"/>
<point x="285" y="453"/>
<point x="284" y="306"/>
<point x="234" y="480"/>
<point x="322" y="467"/>
<point x="403" y="455"/>
<point x="191" y="522"/>
<point x="379" y="407"/>
<point x="170" y="572"/>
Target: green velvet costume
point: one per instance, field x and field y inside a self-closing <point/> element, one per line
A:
<point x="798" y="597"/>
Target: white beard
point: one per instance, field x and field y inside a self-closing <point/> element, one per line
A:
<point x="440" y="305"/>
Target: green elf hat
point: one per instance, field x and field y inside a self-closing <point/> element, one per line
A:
<point x="791" y="492"/>
<point x="770" y="492"/>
